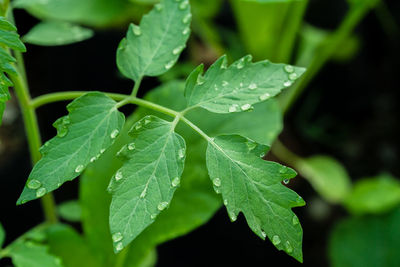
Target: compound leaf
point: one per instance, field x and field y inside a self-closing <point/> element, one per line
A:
<point x="236" y="88"/>
<point x="8" y="39"/>
<point x="145" y="184"/>
<point x="253" y="186"/>
<point x="90" y="128"/>
<point x="152" y="48"/>
<point x="29" y="254"/>
<point x="51" y="33"/>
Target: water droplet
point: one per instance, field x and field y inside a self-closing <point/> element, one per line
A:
<point x="186" y="31"/>
<point x="295" y="220"/>
<point x="233" y="108"/>
<point x="251" y="145"/>
<point x="79" y="168"/>
<point x="102" y="151"/>
<point x="119" y="246"/>
<point x="184" y="5"/>
<point x="264" y="96"/>
<point x="283" y="169"/>
<point x="176" y="181"/>
<point x="276" y="240"/>
<point x="289" y="69"/>
<point x="153" y="216"/>
<point x="177" y="50"/>
<point x="136" y="30"/>
<point x="181" y="153"/>
<point x="93" y="159"/>
<point x="233" y="217"/>
<point x="159" y="7"/>
<point x="263" y="233"/>
<point x="262" y="155"/>
<point x="288" y="247"/>
<point x="293" y="76"/>
<point x="225" y="83"/>
<point x="225" y="202"/>
<point x="117" y="237"/>
<point x="252" y="86"/>
<point x="187" y="18"/>
<point x="286" y="181"/>
<point x="169" y="64"/>
<point x="41" y="192"/>
<point x="114" y="134"/>
<point x="300" y="200"/>
<point x="118" y="176"/>
<point x="217" y="182"/>
<point x="62" y="131"/>
<point x="216" y="89"/>
<point x="240" y="64"/>
<point x="246" y="107"/>
<point x="287" y="84"/>
<point x="131" y="146"/>
<point x="138" y="126"/>
<point x="162" y="206"/>
<point x="34" y="184"/>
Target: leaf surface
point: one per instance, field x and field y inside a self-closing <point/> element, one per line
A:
<point x="29" y="254"/>
<point x="52" y="33"/>
<point x="153" y="48"/>
<point x="253" y="186"/>
<point x="235" y="88"/>
<point x="90" y="128"/>
<point x="145" y="184"/>
<point x="8" y="39"/>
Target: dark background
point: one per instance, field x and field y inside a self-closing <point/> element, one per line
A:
<point x="349" y="111"/>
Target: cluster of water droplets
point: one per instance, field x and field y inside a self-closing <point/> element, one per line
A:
<point x="181" y="153"/>
<point x="62" y="126"/>
<point x="292" y="76"/>
<point x="37" y="185"/>
<point x="162" y="206"/>
<point x="117" y="237"/>
<point x="176" y="182"/>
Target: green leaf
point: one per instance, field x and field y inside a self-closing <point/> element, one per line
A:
<point x="65" y="243"/>
<point x="145" y="184"/>
<point x="70" y="211"/>
<point x="29" y="254"/>
<point x="328" y="177"/>
<point x="8" y="39"/>
<point x="371" y="241"/>
<point x="153" y="48"/>
<point x="236" y="88"/>
<point x="253" y="186"/>
<point x="2" y="235"/>
<point x="51" y="33"/>
<point x="90" y="128"/>
<point x="374" y="195"/>
<point x="97" y="13"/>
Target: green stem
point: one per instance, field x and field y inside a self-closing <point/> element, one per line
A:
<point x="136" y="87"/>
<point x="33" y="137"/>
<point x="64" y="96"/>
<point x="285" y="155"/>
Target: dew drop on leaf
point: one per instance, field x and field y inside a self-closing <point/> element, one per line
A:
<point x="286" y="181"/>
<point x="217" y="182"/>
<point x="114" y="134"/>
<point x="79" y="168"/>
<point x="233" y="217"/>
<point x="153" y="216"/>
<point x="41" y="192"/>
<point x="181" y="153"/>
<point x="102" y="151"/>
<point x="264" y="234"/>
<point x="119" y="246"/>
<point x="162" y="206"/>
<point x="169" y="65"/>
<point x="177" y="50"/>
<point x="287" y="84"/>
<point x="295" y="220"/>
<point x="186" y="31"/>
<point x="225" y="202"/>
<point x="252" y="86"/>
<point x="246" y="107"/>
<point x="289" y="69"/>
<point x="276" y="240"/>
<point x="187" y="18"/>
<point x="184" y="5"/>
<point x="93" y="159"/>
<point x="293" y="76"/>
<point x="136" y="30"/>
<point x="117" y="237"/>
<point x="131" y="146"/>
<point x="233" y="108"/>
<point x="264" y="96"/>
<point x="176" y="181"/>
<point x="34" y="184"/>
<point x="288" y="247"/>
<point x="118" y="176"/>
